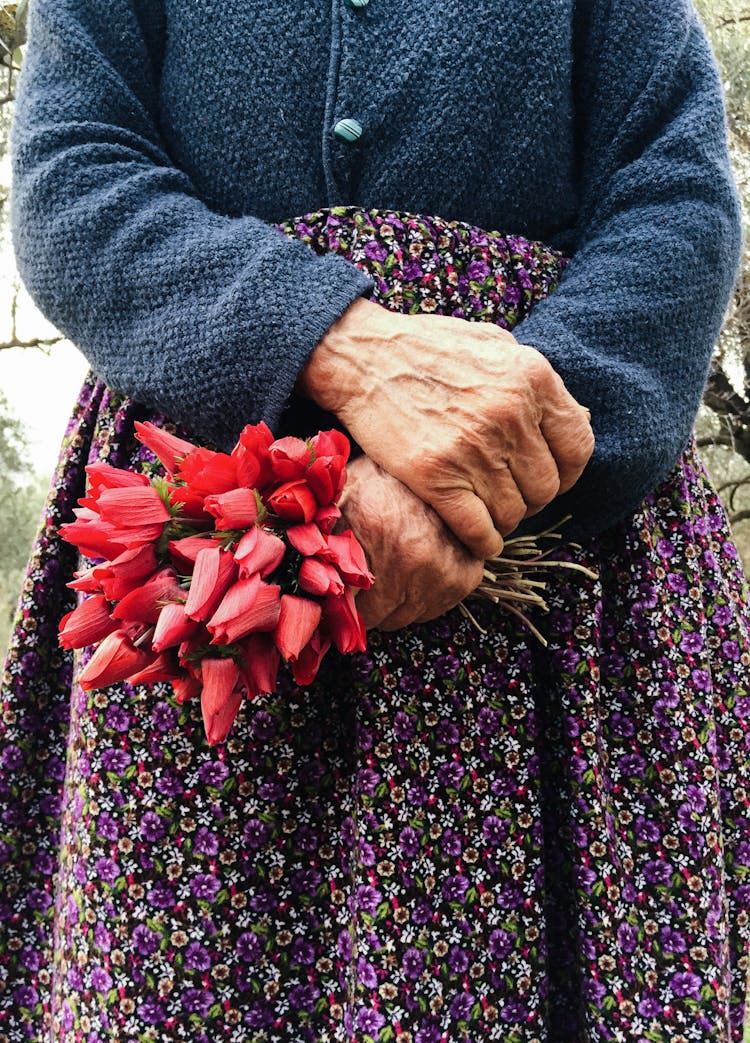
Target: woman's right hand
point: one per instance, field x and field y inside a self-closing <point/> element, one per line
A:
<point x="478" y="426"/>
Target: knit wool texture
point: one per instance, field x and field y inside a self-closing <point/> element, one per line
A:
<point x="154" y="142"/>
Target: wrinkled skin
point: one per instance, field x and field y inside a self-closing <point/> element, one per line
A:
<point x="478" y="426"/>
<point x="421" y="570"/>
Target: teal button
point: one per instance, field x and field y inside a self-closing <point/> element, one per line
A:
<point x="348" y="130"/>
<point x="356" y="3"/>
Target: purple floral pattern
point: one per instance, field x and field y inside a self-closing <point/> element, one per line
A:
<point x="454" y="836"/>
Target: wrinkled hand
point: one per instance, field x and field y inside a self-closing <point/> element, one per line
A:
<point x="478" y="426"/>
<point x="421" y="570"/>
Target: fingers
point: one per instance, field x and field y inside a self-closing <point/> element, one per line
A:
<point x="434" y="589"/>
<point x="570" y="438"/>
<point x="466" y="515"/>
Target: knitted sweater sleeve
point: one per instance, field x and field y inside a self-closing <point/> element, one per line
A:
<point x="632" y="324"/>
<point x="206" y="317"/>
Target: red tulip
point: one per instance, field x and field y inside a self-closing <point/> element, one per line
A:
<point x="214" y="573"/>
<point x="259" y="551"/>
<point x="346" y="553"/>
<point x="331" y="444"/>
<point x="114" y="660"/>
<point x="168" y="448"/>
<point x="193" y="648"/>
<point x="320" y="578"/>
<point x="327" y="473"/>
<point x="293" y="501"/>
<point x="103" y="476"/>
<point x="248" y="606"/>
<point x="144" y="604"/>
<point x="305" y="667"/>
<point x="87" y="624"/>
<point x="186" y="687"/>
<point x="220" y="699"/>
<point x="290" y="458"/>
<point x="86" y="581"/>
<point x="207" y="472"/>
<point x="163" y="668"/>
<point x="133" y="507"/>
<point x="307" y="539"/>
<point x="344" y="623"/>
<point x="298" y="620"/>
<point x="185" y="551"/>
<point x="93" y="537"/>
<point x="128" y="571"/>
<point x="260" y="664"/>
<point x="173" y="627"/>
<point x="251" y="458"/>
<point x="187" y="502"/>
<point x="326" y="517"/>
<point x="236" y="509"/>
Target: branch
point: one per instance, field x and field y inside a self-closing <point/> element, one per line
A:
<point x="14" y="341"/>
<point x="37" y="342"/>
<point x="739" y="517"/>
<point x="724" y="22"/>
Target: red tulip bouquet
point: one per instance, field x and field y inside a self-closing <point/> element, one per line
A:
<point x="212" y="575"/>
<point x="208" y="577"/>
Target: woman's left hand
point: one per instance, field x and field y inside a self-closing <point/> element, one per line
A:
<point x="421" y="570"/>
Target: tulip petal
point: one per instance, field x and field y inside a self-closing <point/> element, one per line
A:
<point x="290" y="458"/>
<point x="185" y="551"/>
<point x="163" y="668"/>
<point x="251" y="458"/>
<point x="250" y="605"/>
<point x="87" y="624"/>
<point x="168" y="448"/>
<point x="260" y="664"/>
<point x="307" y="539"/>
<point x="173" y="627"/>
<point x="207" y="472"/>
<point x="132" y="507"/>
<point x="298" y="620"/>
<point x="305" y="667"/>
<point x="293" y="501"/>
<point x="220" y="699"/>
<point x="128" y="571"/>
<point x="345" y="552"/>
<point x="185" y="688"/>
<point x="259" y="551"/>
<point x="326" y="517"/>
<point x="114" y="660"/>
<point x="144" y="604"/>
<point x="320" y="578"/>
<point x="344" y="623"/>
<point x="236" y="509"/>
<point x="214" y="573"/>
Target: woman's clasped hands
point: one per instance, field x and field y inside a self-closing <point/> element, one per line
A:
<point x="467" y="432"/>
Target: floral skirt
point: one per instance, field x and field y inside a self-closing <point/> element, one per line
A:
<point x="458" y="835"/>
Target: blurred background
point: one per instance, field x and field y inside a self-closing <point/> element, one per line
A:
<point x="40" y="372"/>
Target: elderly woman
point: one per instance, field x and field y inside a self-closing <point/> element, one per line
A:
<point x="458" y="834"/>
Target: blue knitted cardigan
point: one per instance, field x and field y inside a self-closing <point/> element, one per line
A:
<point x="155" y="140"/>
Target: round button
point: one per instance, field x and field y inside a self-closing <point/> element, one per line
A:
<point x="356" y="3"/>
<point x="348" y="130"/>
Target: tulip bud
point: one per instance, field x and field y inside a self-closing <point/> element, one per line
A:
<point x="298" y="620"/>
<point x="168" y="448"/>
<point x="90" y="622"/>
<point x="114" y="660"/>
<point x="220" y="699"/>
